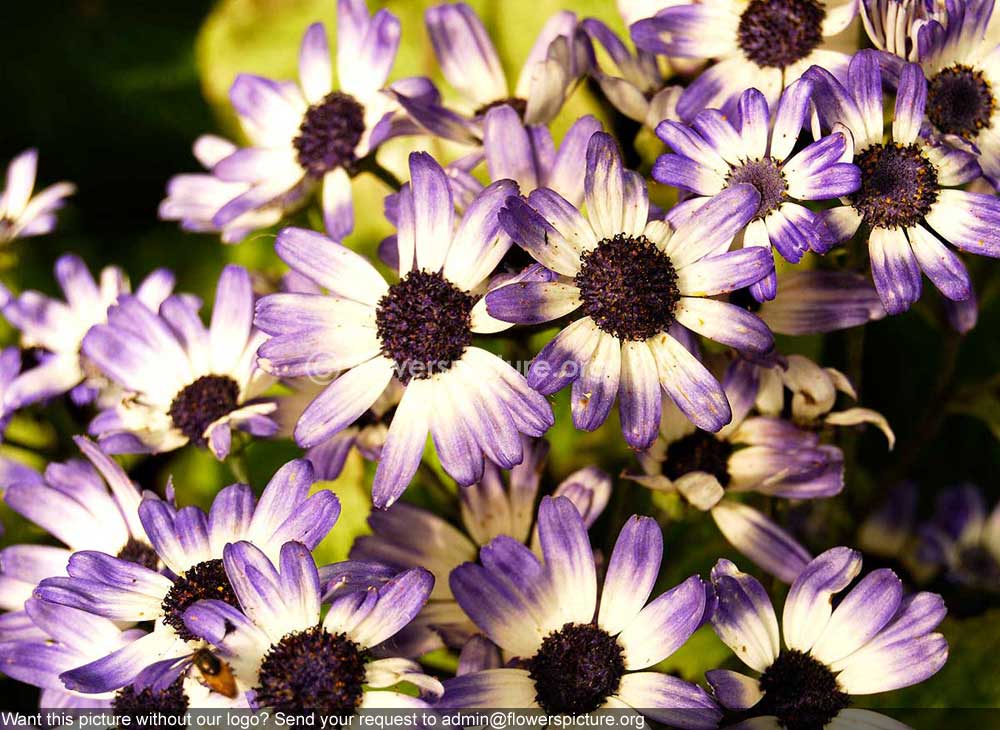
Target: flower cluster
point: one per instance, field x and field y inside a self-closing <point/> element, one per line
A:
<point x="811" y="162"/>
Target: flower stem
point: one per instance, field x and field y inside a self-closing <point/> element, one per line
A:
<point x="372" y="167"/>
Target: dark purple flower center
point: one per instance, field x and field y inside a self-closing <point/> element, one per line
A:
<point x="801" y="692"/>
<point x="628" y="287"/>
<point x="576" y="669"/>
<point x="778" y="33"/>
<point x="202" y="403"/>
<point x="767" y="177"/>
<point x="312" y="670"/>
<point x="329" y="134"/>
<point x="171" y="701"/>
<point x="136" y="551"/>
<point x="424" y="323"/>
<point x="898" y="185"/>
<point x="206" y="580"/>
<point x="517" y="104"/>
<point x="960" y="101"/>
<point x="699" y="451"/>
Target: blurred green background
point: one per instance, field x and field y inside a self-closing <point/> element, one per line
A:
<point x="113" y="94"/>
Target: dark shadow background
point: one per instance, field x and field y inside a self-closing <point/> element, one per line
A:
<point x="108" y="91"/>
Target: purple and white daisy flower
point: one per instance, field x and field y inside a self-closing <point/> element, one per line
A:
<point x="291" y="657"/>
<point x="21" y="214"/>
<point x="190" y="544"/>
<point x="182" y="382"/>
<point x="367" y="434"/>
<point x="763" y="44"/>
<point x="907" y="200"/>
<point x="469" y="61"/>
<point x="895" y="27"/>
<point x="56" y="330"/>
<point x="570" y="653"/>
<point x="816" y="301"/>
<point x="632" y="281"/>
<point x="60" y="639"/>
<point x="86" y="505"/>
<point x="406" y="536"/>
<point x="753" y="454"/>
<point x="525" y="154"/>
<point x="961" y="64"/>
<point x="195" y="198"/>
<point x="634" y="83"/>
<point x="963" y="539"/>
<point x="714" y="154"/>
<point x="963" y="69"/>
<point x="54" y="639"/>
<point x="875" y="640"/>
<point x="418" y="330"/>
<point x="309" y="135"/>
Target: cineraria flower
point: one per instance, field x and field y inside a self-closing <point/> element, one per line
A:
<point x="56" y="639"/>
<point x="632" y="281"/>
<point x="961" y="64"/>
<point x="190" y="544"/>
<point x="962" y="70"/>
<point x="813" y="392"/>
<point x="367" y="434"/>
<point x="406" y="536"/>
<point x="963" y="539"/>
<point x="182" y="382"/>
<point x="761" y="454"/>
<point x="309" y="134"/>
<point x="765" y="44"/>
<point x="55" y="329"/>
<point x="715" y="154"/>
<point x="194" y="199"/>
<point x="905" y="200"/>
<point x="815" y="301"/>
<point x="895" y="27"/>
<point x="72" y="502"/>
<point x="61" y="638"/>
<point x="469" y="61"/>
<point x="572" y="653"/>
<point x="22" y="215"/>
<point x="875" y="640"/>
<point x="418" y="330"/>
<point x="635" y="84"/>
<point x="277" y="643"/>
<point x="525" y="154"/>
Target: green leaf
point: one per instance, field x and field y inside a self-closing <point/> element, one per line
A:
<point x="355" y="504"/>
